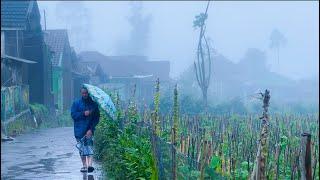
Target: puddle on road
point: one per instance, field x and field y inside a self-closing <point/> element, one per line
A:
<point x="48" y="154"/>
<point x="32" y="155"/>
<point x="48" y="163"/>
<point x="41" y="166"/>
<point x="44" y="147"/>
<point x="67" y="155"/>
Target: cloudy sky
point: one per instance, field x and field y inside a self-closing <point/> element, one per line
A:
<point x="233" y="26"/>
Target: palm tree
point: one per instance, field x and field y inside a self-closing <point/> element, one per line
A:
<point x="277" y="40"/>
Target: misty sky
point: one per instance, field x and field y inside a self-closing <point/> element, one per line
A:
<point x="233" y="26"/>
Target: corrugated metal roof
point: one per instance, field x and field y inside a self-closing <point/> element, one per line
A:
<point x="56" y="40"/>
<point x="14" y="14"/>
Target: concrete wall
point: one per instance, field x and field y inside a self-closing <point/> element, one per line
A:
<point x="14" y="100"/>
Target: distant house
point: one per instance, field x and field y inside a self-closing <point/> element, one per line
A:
<point x="144" y="86"/>
<point x="58" y="43"/>
<point x="124" y="66"/>
<point x="79" y="76"/>
<point x="24" y="56"/>
<point x="94" y="72"/>
<point x="126" y="71"/>
<point x="87" y="72"/>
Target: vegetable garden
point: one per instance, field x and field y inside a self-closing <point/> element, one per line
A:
<point x="150" y="145"/>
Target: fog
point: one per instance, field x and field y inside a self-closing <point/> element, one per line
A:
<point x="160" y="89"/>
<point x="233" y="26"/>
<point x="163" y="31"/>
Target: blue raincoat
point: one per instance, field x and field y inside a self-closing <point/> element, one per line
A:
<point x="82" y="123"/>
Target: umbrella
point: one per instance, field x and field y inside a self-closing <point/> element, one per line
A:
<point x="103" y="99"/>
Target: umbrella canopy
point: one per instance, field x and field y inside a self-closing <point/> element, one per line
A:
<point x="102" y="98"/>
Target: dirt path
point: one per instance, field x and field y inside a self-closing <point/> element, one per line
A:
<point x="44" y="154"/>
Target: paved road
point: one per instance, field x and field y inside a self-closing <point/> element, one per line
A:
<point x="44" y="154"/>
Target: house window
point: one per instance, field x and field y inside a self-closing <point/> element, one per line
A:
<point x="2" y="44"/>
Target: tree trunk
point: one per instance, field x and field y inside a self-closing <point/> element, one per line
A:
<point x="205" y="98"/>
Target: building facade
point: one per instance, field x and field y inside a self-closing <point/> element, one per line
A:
<point x="25" y="63"/>
<point x="58" y="43"/>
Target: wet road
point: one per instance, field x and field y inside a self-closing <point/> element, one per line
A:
<point x="44" y="154"/>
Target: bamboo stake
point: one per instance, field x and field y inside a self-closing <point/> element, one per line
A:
<point x="305" y="157"/>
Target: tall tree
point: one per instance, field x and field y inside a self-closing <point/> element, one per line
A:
<point x="203" y="55"/>
<point x="277" y="40"/>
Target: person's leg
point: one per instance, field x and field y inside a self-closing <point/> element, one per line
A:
<point x="83" y="159"/>
<point x="84" y="164"/>
<point x="90" y="161"/>
<point x="90" y="144"/>
<point x="90" y="168"/>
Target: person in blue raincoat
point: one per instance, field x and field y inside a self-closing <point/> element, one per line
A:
<point x="85" y="114"/>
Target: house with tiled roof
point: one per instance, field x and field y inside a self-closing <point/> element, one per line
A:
<point x="125" y="72"/>
<point x="24" y="57"/>
<point x="93" y="70"/>
<point x="79" y="76"/>
<point x="128" y="66"/>
<point x="58" y="43"/>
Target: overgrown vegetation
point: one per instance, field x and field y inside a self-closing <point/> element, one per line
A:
<point x="208" y="146"/>
<point x="122" y="146"/>
<point x="22" y="124"/>
<point x="47" y="119"/>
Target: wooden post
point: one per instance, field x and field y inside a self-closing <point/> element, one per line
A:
<point x="305" y="157"/>
<point x="202" y="162"/>
<point x="259" y="170"/>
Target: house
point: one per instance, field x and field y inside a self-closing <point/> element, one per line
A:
<point x="25" y="62"/>
<point x="78" y="79"/>
<point x="94" y="71"/>
<point x="125" y="72"/>
<point x="79" y="76"/>
<point x="122" y="66"/>
<point x="143" y="85"/>
<point x="87" y="72"/>
<point x="58" y="43"/>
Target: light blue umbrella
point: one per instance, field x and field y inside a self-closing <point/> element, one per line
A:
<point x="103" y="99"/>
